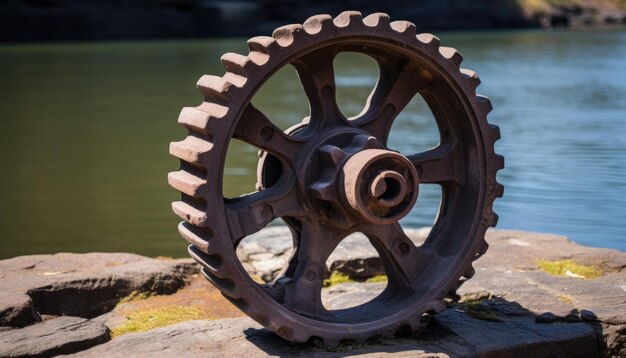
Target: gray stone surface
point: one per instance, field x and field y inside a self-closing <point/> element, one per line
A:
<point x="265" y="253"/>
<point x="514" y="309"/>
<point x="56" y="336"/>
<point x="509" y="270"/>
<point x="450" y="334"/>
<point x="84" y="285"/>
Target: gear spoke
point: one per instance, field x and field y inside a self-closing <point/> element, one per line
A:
<point x="398" y="83"/>
<point x="250" y="213"/>
<point x="438" y="165"/>
<point x="317" y="75"/>
<point x="302" y="291"/>
<point x="256" y="129"/>
<point x="402" y="260"/>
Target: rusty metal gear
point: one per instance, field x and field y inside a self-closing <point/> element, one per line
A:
<point x="330" y="176"/>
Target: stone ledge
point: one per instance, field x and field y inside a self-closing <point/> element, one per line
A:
<point x="56" y="336"/>
<point x="84" y="285"/>
<point x="513" y="308"/>
<point x="450" y="334"/>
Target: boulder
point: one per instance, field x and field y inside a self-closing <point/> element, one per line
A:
<point x="56" y="336"/>
<point x="84" y="285"/>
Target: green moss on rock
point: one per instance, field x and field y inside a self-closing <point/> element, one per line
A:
<point x="141" y="321"/>
<point x="569" y="268"/>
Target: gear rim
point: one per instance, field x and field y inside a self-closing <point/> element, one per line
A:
<point x="197" y="153"/>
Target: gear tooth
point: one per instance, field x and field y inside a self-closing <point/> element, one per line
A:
<point x="493" y="221"/>
<point x="470" y="272"/>
<point x="415" y="323"/>
<point x="348" y="18"/>
<point x="428" y="39"/>
<point x="236" y="63"/>
<point x="191" y="149"/>
<point x="212" y="263"/>
<point x="199" y="119"/>
<point x="200" y="238"/>
<point x="435" y="306"/>
<point x="499" y="161"/>
<point x="471" y="77"/>
<point x="484" y="103"/>
<point x="451" y="54"/>
<point x="288" y="333"/>
<point x="187" y="183"/>
<point x="404" y="27"/>
<point x="285" y="35"/>
<point x="331" y="343"/>
<point x="484" y="246"/>
<point x="315" y="24"/>
<point x="495" y="132"/>
<point x="499" y="191"/>
<point x="226" y="285"/>
<point x="262" y="44"/>
<point x="189" y="213"/>
<point x="377" y="19"/>
<point x="455" y="297"/>
<point x="214" y="88"/>
<point x="260" y="47"/>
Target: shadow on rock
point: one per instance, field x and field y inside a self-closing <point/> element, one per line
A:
<point x="473" y="327"/>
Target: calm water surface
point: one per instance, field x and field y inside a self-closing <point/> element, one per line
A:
<point x="84" y="131"/>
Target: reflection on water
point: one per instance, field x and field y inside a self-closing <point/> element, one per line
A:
<point x="84" y="131"/>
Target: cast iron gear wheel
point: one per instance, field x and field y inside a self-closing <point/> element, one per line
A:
<point x="330" y="176"/>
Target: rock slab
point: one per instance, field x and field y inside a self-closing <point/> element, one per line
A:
<point x="84" y="285"/>
<point x="450" y="334"/>
<point x="56" y="336"/>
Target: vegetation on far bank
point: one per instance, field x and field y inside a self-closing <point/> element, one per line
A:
<point x="547" y="5"/>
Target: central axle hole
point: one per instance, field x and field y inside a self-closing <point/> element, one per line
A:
<point x="393" y="189"/>
<point x="388" y="188"/>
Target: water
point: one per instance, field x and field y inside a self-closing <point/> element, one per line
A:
<point x="84" y="132"/>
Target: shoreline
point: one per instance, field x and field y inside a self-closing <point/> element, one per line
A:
<point x="77" y="20"/>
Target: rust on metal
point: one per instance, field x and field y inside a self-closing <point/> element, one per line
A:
<point x="330" y="176"/>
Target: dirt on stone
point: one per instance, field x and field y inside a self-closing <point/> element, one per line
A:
<point x="198" y="293"/>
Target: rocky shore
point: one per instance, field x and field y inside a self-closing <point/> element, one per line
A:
<point x="55" y="20"/>
<point x="533" y="295"/>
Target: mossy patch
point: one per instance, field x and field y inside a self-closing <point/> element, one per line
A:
<point x="476" y="310"/>
<point x="141" y="321"/>
<point x="377" y="278"/>
<point x="569" y="268"/>
<point x="476" y="307"/>
<point x="137" y="296"/>
<point x="336" y="278"/>
<point x="566" y="299"/>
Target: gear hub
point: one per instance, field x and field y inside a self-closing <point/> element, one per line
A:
<point x="330" y="176"/>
